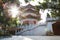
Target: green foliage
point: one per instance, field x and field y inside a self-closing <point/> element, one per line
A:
<point x="28" y="0"/>
<point x="55" y="13"/>
<point x="46" y="0"/>
<point x="44" y="5"/>
<point x="8" y="21"/>
<point x="37" y="8"/>
<point x="13" y="22"/>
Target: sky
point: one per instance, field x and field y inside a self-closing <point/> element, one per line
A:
<point x="35" y="2"/>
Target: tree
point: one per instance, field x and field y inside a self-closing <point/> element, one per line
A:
<point x="6" y="21"/>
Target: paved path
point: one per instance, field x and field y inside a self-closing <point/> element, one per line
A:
<point x="32" y="38"/>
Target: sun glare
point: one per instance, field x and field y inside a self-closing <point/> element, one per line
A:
<point x="14" y="11"/>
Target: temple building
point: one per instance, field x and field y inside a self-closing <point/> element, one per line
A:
<point x="29" y="15"/>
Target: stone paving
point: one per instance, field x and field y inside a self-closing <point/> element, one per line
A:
<point x="32" y="38"/>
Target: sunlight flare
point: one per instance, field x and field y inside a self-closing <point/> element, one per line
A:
<point x="14" y="11"/>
